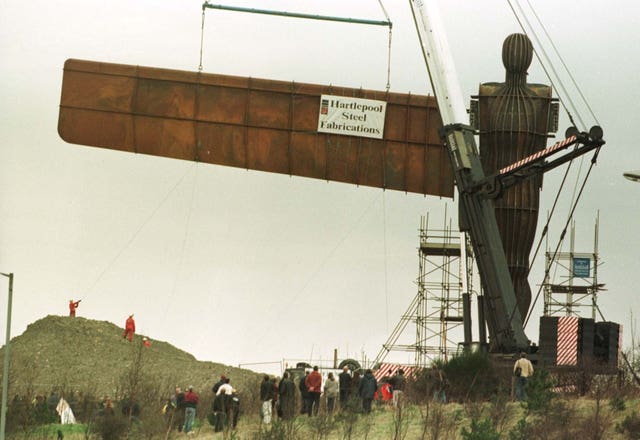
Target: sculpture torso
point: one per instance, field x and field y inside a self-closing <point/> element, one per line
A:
<point x="513" y="124"/>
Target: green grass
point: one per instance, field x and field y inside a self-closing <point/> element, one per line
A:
<point x="51" y="431"/>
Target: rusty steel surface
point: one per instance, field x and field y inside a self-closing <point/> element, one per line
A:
<point x="250" y="123"/>
<point x="514" y="123"/>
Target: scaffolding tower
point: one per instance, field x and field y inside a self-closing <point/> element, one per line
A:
<point x="437" y="309"/>
<point x="576" y="292"/>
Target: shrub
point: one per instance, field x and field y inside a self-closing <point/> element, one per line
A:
<point x="522" y="431"/>
<point x="597" y="422"/>
<point x="347" y="421"/>
<point x="480" y="430"/>
<point x="436" y="423"/>
<point x="540" y="392"/>
<point x="19" y="414"/>
<point x="321" y="426"/>
<point x="630" y="426"/>
<point x="401" y="418"/>
<point x="111" y="427"/>
<point x="279" y="430"/>
<point x="499" y="410"/>
<point x="617" y="403"/>
<point x="470" y="376"/>
<point x="557" y="422"/>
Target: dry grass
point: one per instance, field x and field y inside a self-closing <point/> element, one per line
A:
<point x="69" y="354"/>
<point x="575" y="422"/>
<point x="91" y="356"/>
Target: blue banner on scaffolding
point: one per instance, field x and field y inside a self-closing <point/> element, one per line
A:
<point x="582" y="267"/>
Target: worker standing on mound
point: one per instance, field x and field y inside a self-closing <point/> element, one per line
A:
<point x="73" y="305"/>
<point x="129" y="328"/>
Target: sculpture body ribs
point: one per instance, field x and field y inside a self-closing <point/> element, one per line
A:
<point x="513" y="124"/>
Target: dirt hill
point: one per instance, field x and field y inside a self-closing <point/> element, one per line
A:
<point x="82" y="354"/>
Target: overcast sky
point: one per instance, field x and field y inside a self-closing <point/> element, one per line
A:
<point x="239" y="266"/>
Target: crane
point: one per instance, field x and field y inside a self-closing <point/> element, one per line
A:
<point x="476" y="190"/>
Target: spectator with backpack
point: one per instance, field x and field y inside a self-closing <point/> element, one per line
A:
<point x="522" y="370"/>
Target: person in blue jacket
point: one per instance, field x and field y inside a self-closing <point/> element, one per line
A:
<point x="367" y="390"/>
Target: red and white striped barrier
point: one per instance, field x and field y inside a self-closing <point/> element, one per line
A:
<point x="540" y="154"/>
<point x="389" y="370"/>
<point x="567" y="353"/>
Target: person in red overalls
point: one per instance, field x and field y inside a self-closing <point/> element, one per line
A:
<point x="129" y="328"/>
<point x="73" y="306"/>
<point x="387" y="392"/>
<point x="146" y="342"/>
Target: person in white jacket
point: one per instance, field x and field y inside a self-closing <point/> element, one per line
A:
<point x="65" y="413"/>
<point x="331" y="390"/>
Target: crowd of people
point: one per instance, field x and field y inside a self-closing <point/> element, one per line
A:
<point x="42" y="409"/>
<point x="283" y="398"/>
<point x="180" y="409"/>
<point x="308" y="394"/>
<point x="287" y="397"/>
<point x="350" y="391"/>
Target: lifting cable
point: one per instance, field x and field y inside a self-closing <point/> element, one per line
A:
<point x="138" y="231"/>
<point x="185" y="238"/>
<point x="564" y="65"/>
<point x="545" y="230"/>
<point x="384" y="11"/>
<point x="384" y="200"/>
<point x="387" y="22"/>
<point x="201" y="40"/>
<point x="544" y="60"/>
<point x="293" y="298"/>
<point x="624" y="355"/>
<point x="560" y="86"/>
<point x="564" y="231"/>
<point x="384" y="250"/>
<point x="574" y="201"/>
<point x="541" y="54"/>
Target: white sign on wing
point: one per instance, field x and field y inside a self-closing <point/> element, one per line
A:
<point x="352" y="116"/>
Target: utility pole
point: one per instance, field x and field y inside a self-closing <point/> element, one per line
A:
<point x="5" y="371"/>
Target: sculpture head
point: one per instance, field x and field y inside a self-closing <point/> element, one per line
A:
<point x="517" y="53"/>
